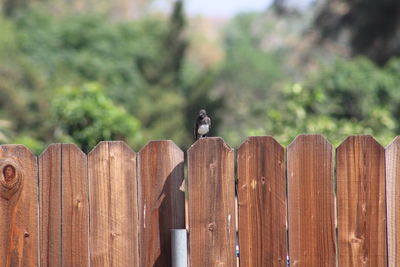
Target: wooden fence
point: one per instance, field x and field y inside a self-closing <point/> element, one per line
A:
<point x="114" y="207"/>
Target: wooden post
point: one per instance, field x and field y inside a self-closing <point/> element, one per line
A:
<point x="18" y="207"/>
<point x="311" y="212"/>
<point x="211" y="188"/>
<point x="262" y="203"/>
<point x="113" y="206"/>
<point x="392" y="155"/>
<point x="361" y="202"/>
<point x="64" y="212"/>
<point x="162" y="200"/>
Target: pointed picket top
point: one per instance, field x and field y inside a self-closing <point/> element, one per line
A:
<point x="253" y="139"/>
<point x="106" y="144"/>
<point x="307" y="138"/>
<point x="154" y="143"/>
<point x="74" y="148"/>
<point x="15" y="150"/>
<point x="50" y="148"/>
<point x="210" y="141"/>
<point x="361" y="139"/>
<point x="395" y="142"/>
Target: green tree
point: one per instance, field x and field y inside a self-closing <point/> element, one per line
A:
<point x="175" y="89"/>
<point x="345" y="98"/>
<point x="86" y="116"/>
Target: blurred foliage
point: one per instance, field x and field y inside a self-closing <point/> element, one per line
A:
<point x="40" y="52"/>
<point x="371" y="27"/>
<point x="69" y="75"/>
<point x="345" y="98"/>
<point x="87" y="116"/>
<point x="36" y="146"/>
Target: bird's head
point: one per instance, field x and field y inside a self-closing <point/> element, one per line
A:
<point x="202" y="113"/>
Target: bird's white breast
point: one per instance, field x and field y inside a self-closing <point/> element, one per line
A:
<point x="203" y="129"/>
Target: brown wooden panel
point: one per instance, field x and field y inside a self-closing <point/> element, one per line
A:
<point x="50" y="206"/>
<point x="18" y="207"/>
<point x="75" y="207"/>
<point x="162" y="205"/>
<point x="361" y="202"/>
<point x="211" y="204"/>
<point x="64" y="212"/>
<point x="392" y="158"/>
<point x="113" y="206"/>
<point x="311" y="213"/>
<point x="262" y="203"/>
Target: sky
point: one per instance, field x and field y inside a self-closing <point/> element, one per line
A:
<point x="224" y="8"/>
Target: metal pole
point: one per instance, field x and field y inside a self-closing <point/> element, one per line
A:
<point x="179" y="247"/>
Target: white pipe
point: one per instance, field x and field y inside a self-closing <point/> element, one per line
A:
<point x="179" y="247"/>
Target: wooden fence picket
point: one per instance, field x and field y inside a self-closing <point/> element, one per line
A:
<point x="75" y="207"/>
<point x="18" y="207"/>
<point x="162" y="200"/>
<point x="50" y="206"/>
<point x="392" y="160"/>
<point x="211" y="192"/>
<point x="311" y="213"/>
<point x="64" y="207"/>
<point x="113" y="206"/>
<point x="262" y="203"/>
<point x="361" y="202"/>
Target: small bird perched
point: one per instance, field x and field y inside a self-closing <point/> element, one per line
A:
<point x="203" y="125"/>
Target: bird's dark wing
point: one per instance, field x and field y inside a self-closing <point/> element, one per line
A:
<point x="195" y="131"/>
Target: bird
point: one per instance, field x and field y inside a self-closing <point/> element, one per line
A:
<point x="202" y="125"/>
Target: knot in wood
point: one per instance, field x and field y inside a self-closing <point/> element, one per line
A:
<point x="10" y="177"/>
<point x="211" y="227"/>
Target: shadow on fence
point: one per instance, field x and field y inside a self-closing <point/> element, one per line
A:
<point x="115" y="207"/>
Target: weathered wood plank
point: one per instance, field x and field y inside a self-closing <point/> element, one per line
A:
<point x="162" y="204"/>
<point x="262" y="203"/>
<point x="113" y="206"/>
<point x="50" y="206"/>
<point x="311" y="212"/>
<point x="18" y="207"/>
<point x="392" y="160"/>
<point x="75" y="207"/>
<point x="211" y="204"/>
<point x="64" y="208"/>
<point x="361" y="202"/>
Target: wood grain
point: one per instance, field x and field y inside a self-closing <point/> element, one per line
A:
<point x="311" y="213"/>
<point x="162" y="205"/>
<point x="113" y="206"/>
<point x="75" y="207"/>
<point x="262" y="203"/>
<point x="211" y="204"/>
<point x="361" y="202"/>
<point x="50" y="206"/>
<point x="18" y="208"/>
<point x="392" y="160"/>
